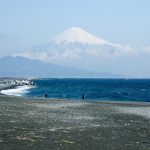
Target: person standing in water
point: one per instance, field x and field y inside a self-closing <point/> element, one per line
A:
<point x="46" y="95"/>
<point x="83" y="96"/>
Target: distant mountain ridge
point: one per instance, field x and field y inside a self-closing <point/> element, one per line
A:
<point x="24" y="67"/>
<point x="71" y="47"/>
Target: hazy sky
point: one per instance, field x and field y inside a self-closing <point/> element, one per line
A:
<point x="25" y="23"/>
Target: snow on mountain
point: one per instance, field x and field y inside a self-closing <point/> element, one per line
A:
<point x="75" y="44"/>
<point x="76" y="40"/>
<point x="78" y="35"/>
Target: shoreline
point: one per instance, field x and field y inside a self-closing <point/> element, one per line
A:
<point x="20" y="83"/>
<point x="98" y="102"/>
<point x="129" y="102"/>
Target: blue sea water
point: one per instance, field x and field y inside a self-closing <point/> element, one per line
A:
<point x="93" y="89"/>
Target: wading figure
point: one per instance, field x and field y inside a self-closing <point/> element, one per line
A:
<point x="83" y="96"/>
<point x="46" y="95"/>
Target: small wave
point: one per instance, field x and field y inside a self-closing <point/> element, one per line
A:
<point x="19" y="91"/>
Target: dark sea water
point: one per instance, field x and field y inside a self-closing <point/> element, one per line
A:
<point x="93" y="89"/>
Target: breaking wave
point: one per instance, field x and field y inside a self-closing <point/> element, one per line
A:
<point x="18" y="91"/>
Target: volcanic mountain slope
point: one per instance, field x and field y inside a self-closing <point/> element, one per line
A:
<point x="74" y="44"/>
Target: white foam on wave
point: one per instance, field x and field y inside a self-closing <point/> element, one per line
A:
<point x="19" y="91"/>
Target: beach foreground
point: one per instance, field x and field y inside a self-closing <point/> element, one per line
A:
<point x="42" y="124"/>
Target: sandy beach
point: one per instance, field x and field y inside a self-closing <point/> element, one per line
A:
<point x="42" y="124"/>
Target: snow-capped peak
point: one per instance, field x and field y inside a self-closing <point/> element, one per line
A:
<point x="75" y="34"/>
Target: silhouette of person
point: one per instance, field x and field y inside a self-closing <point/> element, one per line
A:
<point x="46" y="95"/>
<point x="83" y="96"/>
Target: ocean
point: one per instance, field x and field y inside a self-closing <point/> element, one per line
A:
<point x="91" y="89"/>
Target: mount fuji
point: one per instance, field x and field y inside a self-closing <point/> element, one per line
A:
<point x="75" y="44"/>
<point x="77" y="35"/>
<point x="73" y="53"/>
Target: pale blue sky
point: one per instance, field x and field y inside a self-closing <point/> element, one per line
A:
<point x="25" y="23"/>
<point x="126" y="22"/>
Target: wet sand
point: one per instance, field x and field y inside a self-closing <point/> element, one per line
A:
<point x="43" y="124"/>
